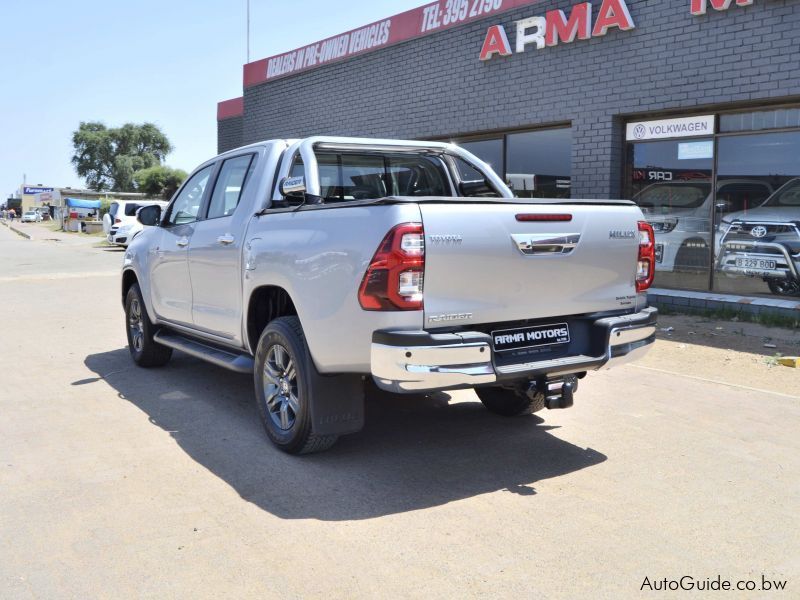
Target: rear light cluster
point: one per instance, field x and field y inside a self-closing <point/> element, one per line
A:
<point x="646" y="267"/>
<point x="394" y="278"/>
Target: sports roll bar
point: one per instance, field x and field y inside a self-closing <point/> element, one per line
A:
<point x="306" y="149"/>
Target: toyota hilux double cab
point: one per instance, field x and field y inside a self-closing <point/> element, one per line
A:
<point x="765" y="242"/>
<point x="322" y="263"/>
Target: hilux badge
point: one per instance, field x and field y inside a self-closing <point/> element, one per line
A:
<point x="620" y="234"/>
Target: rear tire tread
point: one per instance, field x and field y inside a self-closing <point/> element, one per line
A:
<point x="311" y="442"/>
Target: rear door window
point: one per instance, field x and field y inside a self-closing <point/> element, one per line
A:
<point x="228" y="190"/>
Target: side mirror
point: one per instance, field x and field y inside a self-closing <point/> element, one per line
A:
<point x="149" y="215"/>
<point x="722" y="206"/>
<point x="292" y="186"/>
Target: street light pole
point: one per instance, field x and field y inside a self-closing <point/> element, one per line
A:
<point x="248" y="30"/>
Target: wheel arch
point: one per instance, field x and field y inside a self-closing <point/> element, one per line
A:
<point x="266" y="303"/>
<point x="128" y="279"/>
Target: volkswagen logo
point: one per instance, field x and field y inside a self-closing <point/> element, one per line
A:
<point x="639" y="132"/>
<point x="758" y="231"/>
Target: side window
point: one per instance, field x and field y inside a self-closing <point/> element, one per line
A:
<point x="187" y="204"/>
<point x="131" y="208"/>
<point x="229" y="186"/>
<point x="742" y="196"/>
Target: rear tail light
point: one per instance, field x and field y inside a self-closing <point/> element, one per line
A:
<point x="117" y="220"/>
<point x="394" y="277"/>
<point x="646" y="267"/>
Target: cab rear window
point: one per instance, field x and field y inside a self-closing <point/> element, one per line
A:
<point x="351" y="176"/>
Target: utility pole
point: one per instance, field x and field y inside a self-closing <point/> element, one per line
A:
<point x="248" y="30"/>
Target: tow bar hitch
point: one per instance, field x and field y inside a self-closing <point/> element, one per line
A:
<point x="558" y="392"/>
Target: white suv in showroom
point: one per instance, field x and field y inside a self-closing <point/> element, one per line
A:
<point x="765" y="242"/>
<point x="680" y="213"/>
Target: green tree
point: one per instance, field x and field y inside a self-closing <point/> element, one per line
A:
<point x="108" y="158"/>
<point x="159" y="181"/>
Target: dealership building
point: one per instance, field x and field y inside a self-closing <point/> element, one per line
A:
<point x="691" y="108"/>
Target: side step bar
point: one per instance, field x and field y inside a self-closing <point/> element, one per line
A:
<point x="227" y="359"/>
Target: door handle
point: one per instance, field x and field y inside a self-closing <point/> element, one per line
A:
<point x="183" y="242"/>
<point x="546" y="243"/>
<point x="226" y="239"/>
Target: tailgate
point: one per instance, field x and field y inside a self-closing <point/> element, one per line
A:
<point x="483" y="265"/>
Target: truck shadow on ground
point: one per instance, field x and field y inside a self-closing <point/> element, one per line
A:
<point x="415" y="452"/>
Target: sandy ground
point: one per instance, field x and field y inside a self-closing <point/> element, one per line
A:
<point x="736" y="353"/>
<point x="118" y="482"/>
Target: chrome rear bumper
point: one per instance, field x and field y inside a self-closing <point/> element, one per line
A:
<point x="418" y="361"/>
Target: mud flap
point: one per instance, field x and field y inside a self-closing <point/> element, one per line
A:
<point x="337" y="407"/>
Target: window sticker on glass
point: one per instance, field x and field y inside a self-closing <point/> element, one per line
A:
<point x="695" y="150"/>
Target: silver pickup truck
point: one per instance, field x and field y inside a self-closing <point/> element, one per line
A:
<point x="321" y="263"/>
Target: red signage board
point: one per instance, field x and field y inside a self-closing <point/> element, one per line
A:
<point x="230" y="108"/>
<point x="425" y="20"/>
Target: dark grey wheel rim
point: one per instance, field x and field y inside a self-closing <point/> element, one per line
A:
<point x="135" y="325"/>
<point x="280" y="388"/>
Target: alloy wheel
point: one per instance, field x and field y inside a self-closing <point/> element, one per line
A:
<point x="280" y="387"/>
<point x="136" y="325"/>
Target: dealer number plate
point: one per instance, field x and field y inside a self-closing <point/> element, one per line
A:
<point x="530" y="337"/>
<point x="756" y="263"/>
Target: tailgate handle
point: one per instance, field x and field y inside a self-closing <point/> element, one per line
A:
<point x="531" y="244"/>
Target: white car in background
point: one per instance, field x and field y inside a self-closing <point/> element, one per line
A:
<point x="765" y="242"/>
<point x="122" y="236"/>
<point x="120" y="224"/>
<point x="31" y="216"/>
<point x="681" y="212"/>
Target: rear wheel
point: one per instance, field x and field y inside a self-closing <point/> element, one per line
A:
<point x="144" y="350"/>
<point x="784" y="287"/>
<point x="508" y="402"/>
<point x="284" y="388"/>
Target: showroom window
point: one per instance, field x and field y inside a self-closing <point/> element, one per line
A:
<point x="535" y="164"/>
<point x="671" y="182"/>
<point x="759" y="244"/>
<point x="726" y="207"/>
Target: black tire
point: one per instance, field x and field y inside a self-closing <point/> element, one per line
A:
<point x="784" y="287"/>
<point x="509" y="403"/>
<point x="144" y="350"/>
<point x="284" y="386"/>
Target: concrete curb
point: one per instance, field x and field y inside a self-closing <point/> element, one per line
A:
<point x="27" y="236"/>
<point x="700" y="302"/>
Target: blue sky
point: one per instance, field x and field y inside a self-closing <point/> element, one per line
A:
<point x="167" y="61"/>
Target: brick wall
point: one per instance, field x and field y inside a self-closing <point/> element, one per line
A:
<point x="436" y="86"/>
<point x="230" y="133"/>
